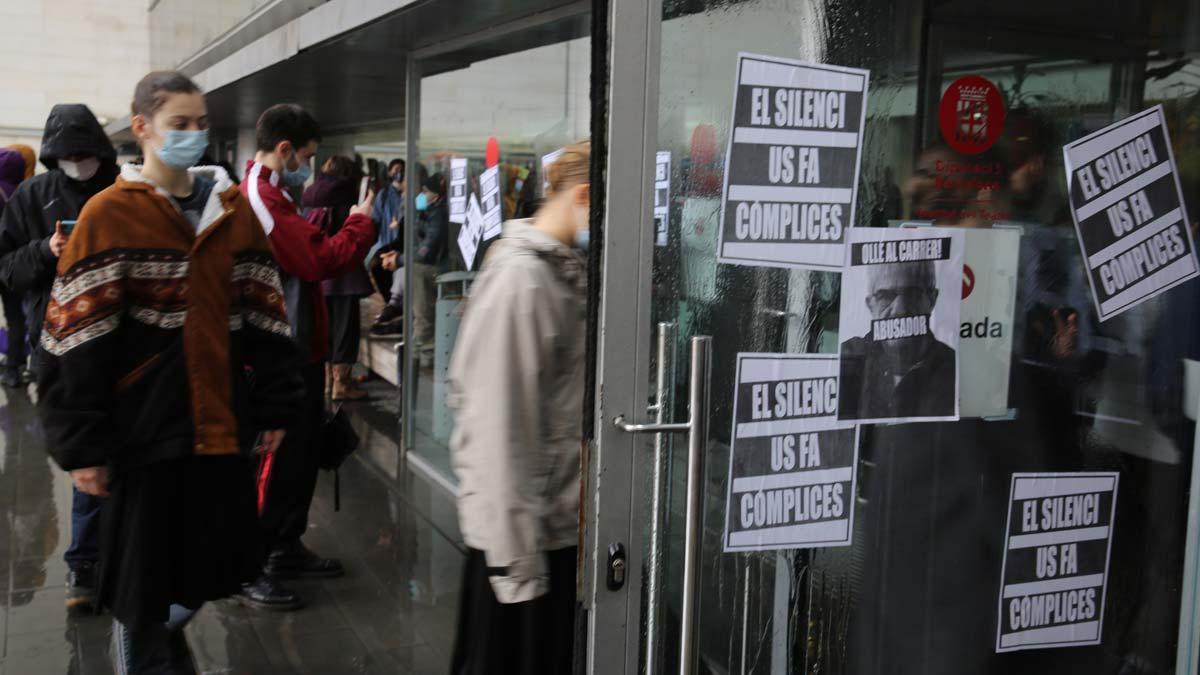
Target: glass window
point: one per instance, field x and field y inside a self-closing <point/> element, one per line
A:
<point x="919" y="589"/>
<point x="508" y="112"/>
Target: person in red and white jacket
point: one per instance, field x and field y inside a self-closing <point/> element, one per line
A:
<point x="287" y="139"/>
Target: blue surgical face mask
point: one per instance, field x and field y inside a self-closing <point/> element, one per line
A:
<point x="182" y="149"/>
<point x="298" y="176"/>
<point x="583" y="238"/>
<point x="422" y="202"/>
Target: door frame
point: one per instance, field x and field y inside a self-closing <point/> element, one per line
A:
<point x="615" y="495"/>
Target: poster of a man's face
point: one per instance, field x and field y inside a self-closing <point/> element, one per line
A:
<point x="901" y="295"/>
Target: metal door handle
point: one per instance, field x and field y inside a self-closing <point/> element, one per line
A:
<point x="651" y="427"/>
<point x="697" y="430"/>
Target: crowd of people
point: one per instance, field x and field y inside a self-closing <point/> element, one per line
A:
<point x="185" y="332"/>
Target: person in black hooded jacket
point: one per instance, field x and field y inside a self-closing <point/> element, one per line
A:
<point x="81" y="162"/>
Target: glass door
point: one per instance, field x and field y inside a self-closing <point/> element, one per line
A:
<point x="923" y="580"/>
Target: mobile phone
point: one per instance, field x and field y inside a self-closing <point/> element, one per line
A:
<point x="68" y="225"/>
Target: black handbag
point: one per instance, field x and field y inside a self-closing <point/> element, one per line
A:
<point x="338" y="441"/>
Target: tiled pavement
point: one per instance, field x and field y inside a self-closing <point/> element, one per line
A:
<point x="393" y="612"/>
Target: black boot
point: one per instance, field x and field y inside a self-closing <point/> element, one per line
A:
<point x="295" y="561"/>
<point x="267" y="593"/>
<point x="81" y="587"/>
<point x="10" y="376"/>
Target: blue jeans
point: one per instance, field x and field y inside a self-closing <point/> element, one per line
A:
<point x="85" y="529"/>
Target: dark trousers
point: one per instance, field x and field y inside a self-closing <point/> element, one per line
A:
<point x="294" y="468"/>
<point x="345" y="328"/>
<point x="525" y="638"/>
<point x="85" y="529"/>
<point x="382" y="279"/>
<point x="14" y="319"/>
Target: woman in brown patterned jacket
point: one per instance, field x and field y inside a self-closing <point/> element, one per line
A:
<point x="167" y="296"/>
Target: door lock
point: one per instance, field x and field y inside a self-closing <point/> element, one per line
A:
<point x="616" y="566"/>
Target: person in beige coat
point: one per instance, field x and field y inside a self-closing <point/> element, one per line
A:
<point x="516" y="382"/>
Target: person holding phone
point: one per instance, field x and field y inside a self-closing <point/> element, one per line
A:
<point x="167" y="295"/>
<point x="287" y="137"/>
<point x="80" y="162"/>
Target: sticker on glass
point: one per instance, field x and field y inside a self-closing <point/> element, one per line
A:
<point x="989" y="292"/>
<point x="792" y="464"/>
<point x="899" y="324"/>
<point x="662" y="196"/>
<point x="1129" y="212"/>
<point x="1056" y="556"/>
<point x="471" y="233"/>
<point x="489" y="187"/>
<point x="458" y="190"/>
<point x="791" y="173"/>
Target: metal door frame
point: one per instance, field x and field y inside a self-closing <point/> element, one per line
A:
<point x="615" y="496"/>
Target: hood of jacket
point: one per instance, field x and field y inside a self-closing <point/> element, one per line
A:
<point x="520" y="237"/>
<point x="12" y="170"/>
<point x="133" y="179"/>
<point x="72" y="129"/>
<point x="329" y="192"/>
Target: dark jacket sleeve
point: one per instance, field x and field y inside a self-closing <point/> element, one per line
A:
<point x="26" y="263"/>
<point x="81" y="347"/>
<point x="433" y="239"/>
<point x="268" y="349"/>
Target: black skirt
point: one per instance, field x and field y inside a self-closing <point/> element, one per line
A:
<point x="183" y="531"/>
<point x="524" y="638"/>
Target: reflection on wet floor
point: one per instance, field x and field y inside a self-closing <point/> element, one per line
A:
<point x="393" y="612"/>
<point x="36" y="635"/>
<point x="395" y="609"/>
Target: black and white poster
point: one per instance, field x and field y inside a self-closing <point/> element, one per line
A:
<point x="1056" y="555"/>
<point x="792" y="464"/>
<point x="458" y="189"/>
<point x="662" y="196"/>
<point x="791" y="172"/>
<point x="899" y="324"/>
<point x="471" y="233"/>
<point x="1129" y="212"/>
<point x="489" y="188"/>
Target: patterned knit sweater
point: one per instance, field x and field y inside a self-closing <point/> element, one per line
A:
<point x="164" y="339"/>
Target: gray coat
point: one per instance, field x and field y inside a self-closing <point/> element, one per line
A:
<point x="516" y="381"/>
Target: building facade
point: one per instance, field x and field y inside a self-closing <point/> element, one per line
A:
<point x="91" y="56"/>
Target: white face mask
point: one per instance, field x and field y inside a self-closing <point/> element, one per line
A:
<point x="82" y="170"/>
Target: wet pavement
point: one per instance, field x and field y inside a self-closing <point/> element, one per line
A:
<point x="393" y="612"/>
<point x="36" y="635"/>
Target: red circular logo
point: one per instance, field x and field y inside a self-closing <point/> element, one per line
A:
<point x="971" y="115"/>
<point x="968" y="281"/>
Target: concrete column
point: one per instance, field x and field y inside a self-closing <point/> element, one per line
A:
<point x="245" y="148"/>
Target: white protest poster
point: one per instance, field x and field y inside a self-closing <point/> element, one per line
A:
<point x="899" y="324"/>
<point x="458" y="189"/>
<point x="792" y="464"/>
<point x="1129" y="212"/>
<point x="662" y="196"/>
<point x="489" y="188"/>
<point x="791" y="173"/>
<point x="547" y="160"/>
<point x="989" y="301"/>
<point x="471" y="233"/>
<point x="1056" y="556"/>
